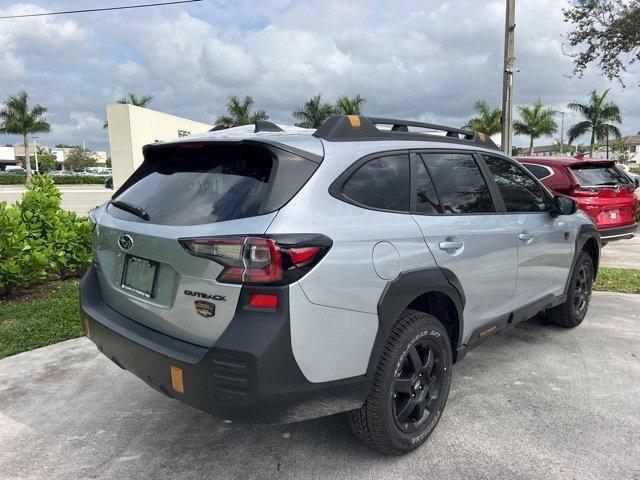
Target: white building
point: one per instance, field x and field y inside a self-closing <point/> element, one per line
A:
<point x="60" y="153"/>
<point x="7" y="157"/>
<point x="633" y="150"/>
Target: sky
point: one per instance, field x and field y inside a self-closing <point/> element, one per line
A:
<point x="420" y="60"/>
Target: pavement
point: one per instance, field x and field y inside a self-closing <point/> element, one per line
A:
<point x="537" y="402"/>
<point x="78" y="198"/>
<point x="622" y="254"/>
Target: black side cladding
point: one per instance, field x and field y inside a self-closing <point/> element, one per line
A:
<point x="401" y="292"/>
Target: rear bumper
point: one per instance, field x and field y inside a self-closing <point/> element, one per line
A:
<point x="618" y="233"/>
<point x="249" y="374"/>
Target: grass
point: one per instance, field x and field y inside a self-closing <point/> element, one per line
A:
<point x="42" y="316"/>
<point x="621" y="280"/>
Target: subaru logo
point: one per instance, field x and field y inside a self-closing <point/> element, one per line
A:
<point x="125" y="241"/>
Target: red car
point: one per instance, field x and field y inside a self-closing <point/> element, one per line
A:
<point x="603" y="191"/>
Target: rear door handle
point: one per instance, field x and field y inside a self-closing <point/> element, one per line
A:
<point x="452" y="245"/>
<point x="525" y="237"/>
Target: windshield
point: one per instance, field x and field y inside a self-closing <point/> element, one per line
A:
<point x="599" y="176"/>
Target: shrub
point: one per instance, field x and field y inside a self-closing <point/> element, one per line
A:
<point x="39" y="240"/>
<point x="58" y="179"/>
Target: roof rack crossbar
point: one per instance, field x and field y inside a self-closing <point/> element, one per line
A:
<point x="350" y="128"/>
<point x="397" y="124"/>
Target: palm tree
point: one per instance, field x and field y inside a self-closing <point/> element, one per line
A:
<point x="488" y="120"/>
<point x="132" y="99"/>
<point x="350" y="106"/>
<point x="19" y="118"/>
<point x="239" y="113"/>
<point x="599" y="117"/>
<point x="537" y="121"/>
<point x="314" y="112"/>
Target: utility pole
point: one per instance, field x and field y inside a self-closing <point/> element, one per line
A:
<point x="509" y="69"/>
<point x="35" y="151"/>
<point x="562" y="135"/>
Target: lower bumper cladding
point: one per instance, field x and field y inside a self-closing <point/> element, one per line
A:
<point x="249" y="374"/>
<point x="618" y="233"/>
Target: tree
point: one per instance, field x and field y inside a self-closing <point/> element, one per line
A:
<point x="132" y="99"/>
<point x="606" y="32"/>
<point x="620" y="150"/>
<point x="46" y="159"/>
<point x="488" y="120"/>
<point x="79" y="158"/>
<point x="350" y="106"/>
<point x="314" y="112"/>
<point x="239" y="112"/>
<point x="19" y="118"/>
<point x="599" y="117"/>
<point x="536" y="121"/>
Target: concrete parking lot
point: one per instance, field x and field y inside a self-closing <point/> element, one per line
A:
<point x="537" y="402"/>
<point x="622" y="254"/>
<point x="78" y="198"/>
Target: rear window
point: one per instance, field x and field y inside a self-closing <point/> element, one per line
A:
<point x="597" y="175"/>
<point x="194" y="184"/>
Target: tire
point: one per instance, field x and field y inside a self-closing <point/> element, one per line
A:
<point x="391" y="419"/>
<point x="571" y="313"/>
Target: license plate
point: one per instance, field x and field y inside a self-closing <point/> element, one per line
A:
<point x="139" y="275"/>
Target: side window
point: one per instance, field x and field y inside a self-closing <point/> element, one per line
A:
<point x="426" y="198"/>
<point x="538" y="171"/>
<point x="519" y="191"/>
<point x="459" y="183"/>
<point x="382" y="183"/>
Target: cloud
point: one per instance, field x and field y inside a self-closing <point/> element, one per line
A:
<point x="409" y="59"/>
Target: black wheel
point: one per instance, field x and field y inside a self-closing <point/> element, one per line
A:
<point x="571" y="313"/>
<point x="410" y="386"/>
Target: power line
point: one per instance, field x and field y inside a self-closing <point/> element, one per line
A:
<point x="123" y="7"/>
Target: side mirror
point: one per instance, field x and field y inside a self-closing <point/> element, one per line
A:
<point x="563" y="206"/>
<point x="636" y="181"/>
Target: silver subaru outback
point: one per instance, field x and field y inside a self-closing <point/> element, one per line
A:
<point x="278" y="274"/>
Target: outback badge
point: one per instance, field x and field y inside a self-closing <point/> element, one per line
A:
<point x="206" y="309"/>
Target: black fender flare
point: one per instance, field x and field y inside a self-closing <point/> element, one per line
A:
<point x="585" y="233"/>
<point x="398" y="295"/>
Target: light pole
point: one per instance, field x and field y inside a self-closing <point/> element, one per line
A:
<point x="509" y="69"/>
<point x="562" y="134"/>
<point x="35" y="152"/>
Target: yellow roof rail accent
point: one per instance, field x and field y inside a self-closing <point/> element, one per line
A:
<point x="354" y="120"/>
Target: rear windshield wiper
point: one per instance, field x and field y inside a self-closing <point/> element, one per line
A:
<point x="131" y="208"/>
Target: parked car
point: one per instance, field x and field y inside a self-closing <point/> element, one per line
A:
<point x="271" y="276"/>
<point x="603" y="191"/>
<point x="15" y="170"/>
<point x="98" y="171"/>
<point x="58" y="173"/>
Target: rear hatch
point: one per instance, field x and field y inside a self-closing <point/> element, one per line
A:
<point x="188" y="190"/>
<point x="606" y="193"/>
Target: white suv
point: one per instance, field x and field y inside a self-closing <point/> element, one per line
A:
<point x="272" y="275"/>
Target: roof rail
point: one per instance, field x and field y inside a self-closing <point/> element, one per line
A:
<point x="350" y="128"/>
<point x="266" y="126"/>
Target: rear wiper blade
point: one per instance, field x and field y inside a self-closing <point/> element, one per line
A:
<point x="131" y="208"/>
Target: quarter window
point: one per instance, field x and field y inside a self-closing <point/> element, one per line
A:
<point x="520" y="192"/>
<point x="426" y="198"/>
<point x="538" y="171"/>
<point x="382" y="183"/>
<point x="459" y="183"/>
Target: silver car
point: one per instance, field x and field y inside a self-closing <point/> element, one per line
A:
<point x="279" y="274"/>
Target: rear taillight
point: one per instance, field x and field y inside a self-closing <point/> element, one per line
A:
<point x="260" y="260"/>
